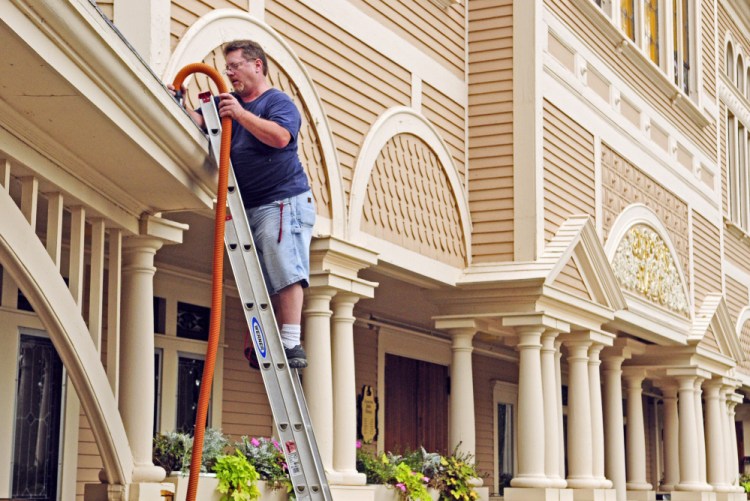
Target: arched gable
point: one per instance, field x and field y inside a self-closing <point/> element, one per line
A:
<point x="223" y="25"/>
<point x="404" y="121"/>
<point x="644" y="259"/>
<point x="25" y="258"/>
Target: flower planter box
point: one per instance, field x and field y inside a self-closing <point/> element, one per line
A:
<point x="390" y="493"/>
<point x="207" y="488"/>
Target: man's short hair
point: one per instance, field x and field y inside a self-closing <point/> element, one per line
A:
<point x="250" y="50"/>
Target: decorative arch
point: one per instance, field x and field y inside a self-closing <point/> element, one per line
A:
<point x="394" y="121"/>
<point x="742" y="318"/>
<point x="640" y="215"/>
<point x="223" y="25"/>
<point x="729" y="56"/>
<point x="740" y="70"/>
<point x="25" y="258"/>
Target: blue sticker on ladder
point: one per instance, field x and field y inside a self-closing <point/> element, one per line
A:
<point x="259" y="338"/>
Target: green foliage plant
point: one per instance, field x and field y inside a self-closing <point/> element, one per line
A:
<point x="411" y="485"/>
<point x="454" y="481"/>
<point x="237" y="478"/>
<point x="268" y="459"/>
<point x="745" y="483"/>
<point x="173" y="450"/>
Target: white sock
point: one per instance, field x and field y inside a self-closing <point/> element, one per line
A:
<point x="290" y="335"/>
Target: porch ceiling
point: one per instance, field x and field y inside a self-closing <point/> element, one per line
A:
<point x="88" y="112"/>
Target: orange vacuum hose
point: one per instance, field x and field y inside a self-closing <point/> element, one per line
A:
<point x="218" y="274"/>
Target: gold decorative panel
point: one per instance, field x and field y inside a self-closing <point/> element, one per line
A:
<point x="309" y="143"/>
<point x="410" y="202"/>
<point x="644" y="264"/>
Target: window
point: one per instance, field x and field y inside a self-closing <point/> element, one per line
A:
<point x="740" y="73"/>
<point x="651" y="29"/>
<point x="730" y="61"/>
<point x="193" y="321"/>
<point x="36" y="441"/>
<point x="628" y="18"/>
<point x="158" y="356"/>
<point x="189" y="375"/>
<point x="738" y="178"/>
<point x="681" y="42"/>
<point x="505" y="396"/>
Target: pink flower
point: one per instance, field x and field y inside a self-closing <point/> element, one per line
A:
<point x="254" y="442"/>
<point x="359" y="444"/>
<point x="425" y="479"/>
<point x="401" y="486"/>
<point x="276" y="444"/>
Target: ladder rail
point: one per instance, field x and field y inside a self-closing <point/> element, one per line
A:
<point x="283" y="387"/>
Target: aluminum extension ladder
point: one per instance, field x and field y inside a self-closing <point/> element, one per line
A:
<point x="282" y="383"/>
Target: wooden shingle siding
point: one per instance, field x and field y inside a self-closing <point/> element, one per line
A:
<point x="245" y="408"/>
<point x="491" y="129"/>
<point x="568" y="169"/>
<point x="707" y="259"/>
<point x="486" y="371"/>
<point x="744" y="367"/>
<point x="347" y="75"/>
<point x="448" y="117"/>
<point x="437" y="32"/>
<point x="736" y="296"/>
<point x="638" y="81"/>
<point x="186" y="12"/>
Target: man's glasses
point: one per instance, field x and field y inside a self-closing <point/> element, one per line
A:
<point x="233" y="67"/>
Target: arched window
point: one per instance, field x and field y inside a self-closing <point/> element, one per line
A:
<point x="747" y="82"/>
<point x="740" y="73"/>
<point x="730" y="61"/>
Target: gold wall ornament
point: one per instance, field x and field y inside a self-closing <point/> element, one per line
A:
<point x="644" y="264"/>
<point x="368" y="412"/>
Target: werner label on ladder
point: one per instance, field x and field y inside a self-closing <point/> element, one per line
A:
<point x="282" y="383"/>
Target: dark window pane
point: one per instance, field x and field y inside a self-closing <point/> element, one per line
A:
<point x="23" y="303"/>
<point x="160" y="315"/>
<point x="37" y="422"/>
<point x="192" y="321"/>
<point x="157" y="389"/>
<point x="189" y="374"/>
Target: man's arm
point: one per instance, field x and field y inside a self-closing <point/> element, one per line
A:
<point x="197" y="117"/>
<point x="266" y="131"/>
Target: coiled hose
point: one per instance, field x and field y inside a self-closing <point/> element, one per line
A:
<point x="218" y="274"/>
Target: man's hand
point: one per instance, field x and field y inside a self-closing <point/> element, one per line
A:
<point x="230" y="107"/>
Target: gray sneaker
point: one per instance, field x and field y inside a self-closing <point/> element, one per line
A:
<point x="296" y="357"/>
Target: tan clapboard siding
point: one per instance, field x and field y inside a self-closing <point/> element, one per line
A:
<point x="744" y="367"/>
<point x="707" y="259"/>
<point x="491" y="129"/>
<point x="186" y="12"/>
<point x="571" y="281"/>
<point x="568" y="169"/>
<point x="486" y="371"/>
<point x="737" y="297"/>
<point x="89" y="461"/>
<point x="437" y="32"/>
<point x="709" y="342"/>
<point x="737" y="249"/>
<point x="108" y="8"/>
<point x="708" y="46"/>
<point x="704" y="137"/>
<point x="723" y="159"/>
<point x="348" y="76"/>
<point x="245" y="408"/>
<point x="448" y="116"/>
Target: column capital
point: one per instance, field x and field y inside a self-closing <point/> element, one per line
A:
<point x="337" y="263"/>
<point x="166" y="230"/>
<point x="590" y="336"/>
<point x="540" y="321"/>
<point x="633" y="375"/>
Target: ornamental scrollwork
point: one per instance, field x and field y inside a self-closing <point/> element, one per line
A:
<point x="644" y="264"/>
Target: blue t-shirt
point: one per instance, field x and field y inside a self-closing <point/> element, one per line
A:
<point x="264" y="173"/>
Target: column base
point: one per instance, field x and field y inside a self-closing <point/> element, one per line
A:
<point x="693" y="496"/>
<point x="354" y="492"/>
<point x="641" y="495"/>
<point x="134" y="492"/>
<point x="347" y="477"/>
<point x="534" y="494"/>
<point x="594" y="494"/>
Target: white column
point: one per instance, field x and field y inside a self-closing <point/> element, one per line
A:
<point x="671" y="439"/>
<point x="725" y="431"/>
<point x="345" y="391"/>
<point x="551" y="390"/>
<point x="580" y="460"/>
<point x="146" y="24"/>
<point x="137" y="351"/>
<point x="614" y="426"/>
<point x="689" y="468"/>
<point x="700" y="432"/>
<point x="597" y="420"/>
<point x="716" y="467"/>
<point x="462" y="423"/>
<point x="636" y="437"/>
<point x="318" y="380"/>
<point x="530" y="410"/>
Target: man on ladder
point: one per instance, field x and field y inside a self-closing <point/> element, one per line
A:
<point x="274" y="187"/>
